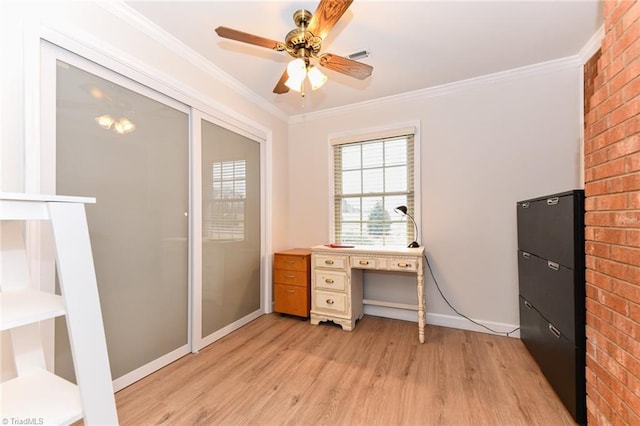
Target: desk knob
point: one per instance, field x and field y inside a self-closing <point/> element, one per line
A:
<point x="328" y="281"/>
<point x="329" y="262"/>
<point x="330" y="302"/>
<point x="403" y="265"/>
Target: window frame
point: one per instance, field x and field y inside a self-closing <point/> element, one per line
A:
<point x="364" y="135"/>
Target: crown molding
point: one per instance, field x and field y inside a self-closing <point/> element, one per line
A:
<point x="445" y="89"/>
<point x="592" y="45"/>
<point x="146" y="26"/>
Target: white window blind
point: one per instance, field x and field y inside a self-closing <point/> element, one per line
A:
<point x="371" y="179"/>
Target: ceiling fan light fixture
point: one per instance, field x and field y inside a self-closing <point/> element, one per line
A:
<point x="297" y="69"/>
<point x="316" y="77"/>
<point x="123" y="126"/>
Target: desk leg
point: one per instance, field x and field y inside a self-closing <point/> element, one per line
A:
<point x="421" y="301"/>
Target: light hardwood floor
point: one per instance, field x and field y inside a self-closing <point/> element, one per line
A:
<point x="283" y="371"/>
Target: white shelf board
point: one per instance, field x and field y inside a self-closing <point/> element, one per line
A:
<point x="25" y="306"/>
<point x="42" y="396"/>
<point x="27" y="196"/>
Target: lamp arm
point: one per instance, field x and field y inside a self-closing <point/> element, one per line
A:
<point x="415" y="225"/>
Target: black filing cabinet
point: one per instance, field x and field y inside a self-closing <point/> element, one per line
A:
<point x="551" y="276"/>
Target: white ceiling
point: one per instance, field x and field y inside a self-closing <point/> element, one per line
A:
<point x="414" y="44"/>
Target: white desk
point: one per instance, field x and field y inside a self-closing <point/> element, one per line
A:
<point x="336" y="281"/>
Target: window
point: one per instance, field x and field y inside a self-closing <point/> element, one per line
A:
<point x="371" y="179"/>
<point x="226" y="205"/>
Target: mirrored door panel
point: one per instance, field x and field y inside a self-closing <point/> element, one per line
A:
<point x="231" y="234"/>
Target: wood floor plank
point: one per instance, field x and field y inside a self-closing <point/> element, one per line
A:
<point x="280" y="370"/>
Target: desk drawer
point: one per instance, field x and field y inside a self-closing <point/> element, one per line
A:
<point x="292" y="300"/>
<point x="363" y="262"/>
<point x="329" y="261"/>
<point x="330" y="302"/>
<point x="330" y="280"/>
<point x="290" y="262"/>
<point x="282" y="276"/>
<point x="400" y="264"/>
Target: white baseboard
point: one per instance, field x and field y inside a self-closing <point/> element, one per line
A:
<point x="442" y="320"/>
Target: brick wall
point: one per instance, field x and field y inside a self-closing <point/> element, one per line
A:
<point x="612" y="188"/>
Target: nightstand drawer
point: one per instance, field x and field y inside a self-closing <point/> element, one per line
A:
<point x="330" y="280"/>
<point x="332" y="262"/>
<point x="290" y="262"/>
<point x="283" y="276"/>
<point x="329" y="301"/>
<point x="290" y="299"/>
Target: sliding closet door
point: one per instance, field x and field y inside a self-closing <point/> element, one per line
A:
<point x="230" y="230"/>
<point x="129" y="147"/>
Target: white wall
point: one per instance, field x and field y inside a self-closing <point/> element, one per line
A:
<point x="485" y="145"/>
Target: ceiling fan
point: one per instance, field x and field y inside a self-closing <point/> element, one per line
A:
<point x="304" y="43"/>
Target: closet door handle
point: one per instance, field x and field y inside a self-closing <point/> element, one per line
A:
<point x="528" y="305"/>
<point x="554" y="331"/>
<point x="526" y="255"/>
<point x="553" y="265"/>
<point x="525" y="205"/>
<point x="552" y="201"/>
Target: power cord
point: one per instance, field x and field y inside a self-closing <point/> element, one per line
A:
<point x="508" y="333"/>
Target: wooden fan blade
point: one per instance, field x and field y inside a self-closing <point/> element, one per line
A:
<point x="346" y="66"/>
<point x="326" y="16"/>
<point x="280" y="86"/>
<point x="249" y="38"/>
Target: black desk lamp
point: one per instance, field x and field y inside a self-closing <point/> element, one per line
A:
<point x="403" y="210"/>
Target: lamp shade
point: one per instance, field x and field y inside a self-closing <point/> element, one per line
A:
<point x="316" y="77"/>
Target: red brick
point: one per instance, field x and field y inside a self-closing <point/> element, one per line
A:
<point x="627" y="290"/>
<point x="610" y="104"/>
<point x="632" y="126"/>
<point x="625" y="147"/>
<point x="628" y="255"/>
<point x="632" y="163"/>
<point x="601" y="312"/>
<point x="621" y="79"/>
<point x="627" y="326"/>
<point x="595" y="188"/>
<point x="628" y="36"/>
<point x="632" y="236"/>
<point x="624" y="183"/>
<point x="599" y="281"/>
<point x="625" y="112"/>
<point x="610" y="235"/>
<point x="611" y="168"/>
<point x="615" y="303"/>
<point x="595" y="158"/>
<point x="631" y="16"/>
<point x="615" y="10"/>
<point x="630" y="91"/>
<point x="632" y="53"/>
<point x="599" y="218"/>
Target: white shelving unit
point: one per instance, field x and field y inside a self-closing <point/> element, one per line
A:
<point x="37" y="394"/>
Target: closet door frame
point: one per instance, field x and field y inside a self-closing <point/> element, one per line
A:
<point x="199" y="341"/>
<point x="40" y="164"/>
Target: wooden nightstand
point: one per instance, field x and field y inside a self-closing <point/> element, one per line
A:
<point x="292" y="282"/>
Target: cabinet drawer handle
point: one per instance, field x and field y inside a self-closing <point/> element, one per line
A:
<point x="330" y="302"/>
<point x="328" y="281"/>
<point x="526" y="255"/>
<point x="525" y="205"/>
<point x="290" y="261"/>
<point x="554" y="331"/>
<point x="553" y="265"/>
<point x="290" y="276"/>
<point x="364" y="262"/>
<point x="528" y="305"/>
<point x="552" y="201"/>
<point x="404" y="265"/>
<point x="329" y="262"/>
<point x="290" y="291"/>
